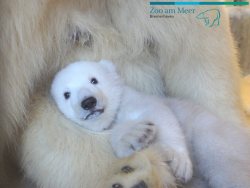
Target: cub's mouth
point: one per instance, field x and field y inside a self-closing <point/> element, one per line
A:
<point x="94" y="114"/>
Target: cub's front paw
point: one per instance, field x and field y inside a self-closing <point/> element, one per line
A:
<point x="132" y="137"/>
<point x="182" y="166"/>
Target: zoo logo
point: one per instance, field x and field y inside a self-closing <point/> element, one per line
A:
<point x="210" y="17"/>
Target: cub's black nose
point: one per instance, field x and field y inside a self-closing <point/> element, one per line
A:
<point x="88" y="103"/>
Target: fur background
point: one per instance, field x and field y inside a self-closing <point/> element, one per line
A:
<point x="37" y="38"/>
<point x="240" y="24"/>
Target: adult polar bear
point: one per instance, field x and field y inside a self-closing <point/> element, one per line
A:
<point x="179" y="55"/>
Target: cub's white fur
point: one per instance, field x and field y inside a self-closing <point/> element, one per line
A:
<point x="76" y="80"/>
<point x="58" y="153"/>
<point x="138" y="119"/>
<point x="218" y="148"/>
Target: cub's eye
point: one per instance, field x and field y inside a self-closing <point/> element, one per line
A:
<point x="94" y="81"/>
<point x="66" y="95"/>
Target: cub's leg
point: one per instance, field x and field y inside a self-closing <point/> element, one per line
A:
<point x="127" y="138"/>
<point x="220" y="149"/>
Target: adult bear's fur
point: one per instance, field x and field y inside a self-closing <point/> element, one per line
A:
<point x="180" y="55"/>
<point x="57" y="153"/>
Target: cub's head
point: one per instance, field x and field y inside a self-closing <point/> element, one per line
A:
<point x="88" y="93"/>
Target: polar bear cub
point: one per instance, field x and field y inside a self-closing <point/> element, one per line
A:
<point x="93" y="95"/>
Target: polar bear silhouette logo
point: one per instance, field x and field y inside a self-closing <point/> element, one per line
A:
<point x="210" y="17"/>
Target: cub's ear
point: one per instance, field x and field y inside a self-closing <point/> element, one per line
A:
<point x="108" y="65"/>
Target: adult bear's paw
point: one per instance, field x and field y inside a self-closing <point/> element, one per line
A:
<point x="132" y="178"/>
<point x="145" y="169"/>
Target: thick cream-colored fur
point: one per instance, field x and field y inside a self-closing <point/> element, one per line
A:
<point x="240" y="26"/>
<point x="37" y="35"/>
<point x="56" y="153"/>
<point x="179" y="56"/>
<point x="245" y="94"/>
